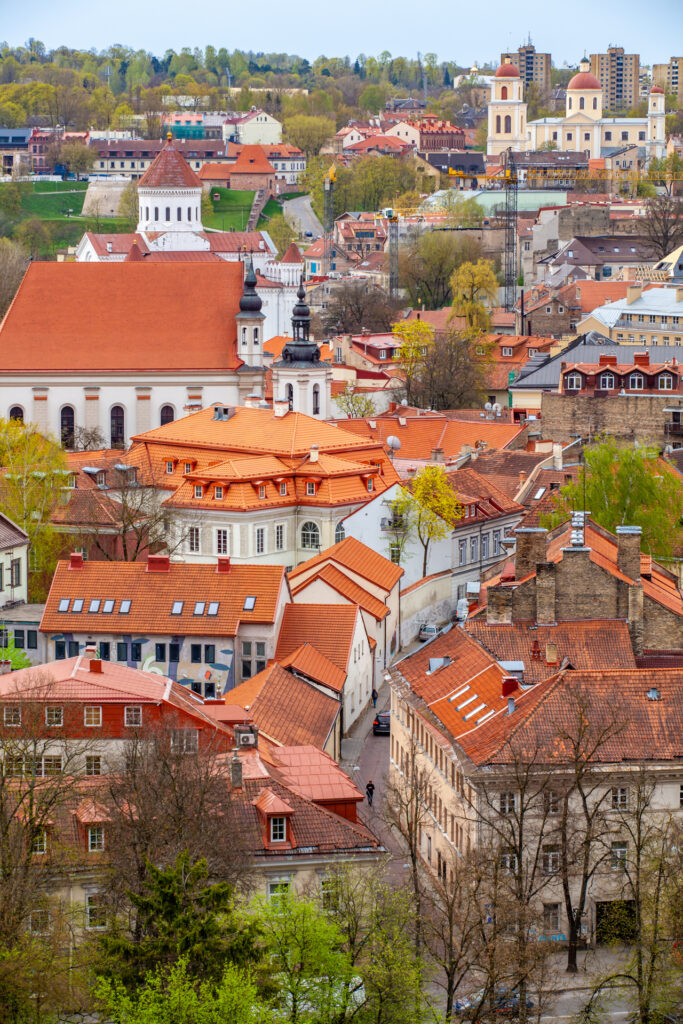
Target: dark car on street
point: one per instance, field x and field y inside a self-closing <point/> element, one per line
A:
<point x="382" y="724"/>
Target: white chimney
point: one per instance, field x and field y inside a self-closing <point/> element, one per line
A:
<point x="314" y="453"/>
<point x="280" y="407"/>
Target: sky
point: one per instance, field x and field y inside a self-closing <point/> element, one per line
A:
<point x="462" y="32"/>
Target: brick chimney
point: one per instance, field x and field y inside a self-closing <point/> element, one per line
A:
<point x="530" y="549"/>
<point x="223" y="566"/>
<point x="95" y="662"/>
<point x="545" y="592"/>
<point x="438" y="455"/>
<point x="313" y="457"/>
<point x="628" y="551"/>
<point x="509" y="685"/>
<point x="76" y="560"/>
<point x="158" y="563"/>
<point x="235" y="771"/>
<point x="633" y="292"/>
<point x="499" y="605"/>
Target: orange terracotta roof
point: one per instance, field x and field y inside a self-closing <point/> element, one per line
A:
<point x="170" y="170"/>
<point x="293" y="255"/>
<point x="327" y="627"/>
<point x="152" y="595"/>
<point x="274" y="346"/>
<point x="287" y="709"/>
<point x="420" y="435"/>
<point x="214" y="172"/>
<point x="332" y="576"/>
<point x="252" y="160"/>
<point x="314" y="774"/>
<point x="314" y="665"/>
<point x="177" y="316"/>
<point x="358" y="558"/>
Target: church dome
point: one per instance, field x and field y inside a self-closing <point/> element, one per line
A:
<point x="584" y="80"/>
<point x="507" y="71"/>
<point x="656" y="89"/>
<point x="250" y="301"/>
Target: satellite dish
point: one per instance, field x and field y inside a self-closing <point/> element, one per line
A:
<point x="488" y="407"/>
<point x="496" y="407"/>
<point x="394" y="442"/>
<point x="404" y="401"/>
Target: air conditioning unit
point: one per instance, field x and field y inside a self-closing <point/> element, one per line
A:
<point x="247" y="739"/>
<point x="246" y="736"/>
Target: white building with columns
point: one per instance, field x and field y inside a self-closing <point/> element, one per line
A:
<point x="582" y="129"/>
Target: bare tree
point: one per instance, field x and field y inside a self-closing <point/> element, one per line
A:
<point x="358" y="305"/>
<point x="14" y="259"/>
<point x="453" y="373"/>
<point x="662" y="224"/>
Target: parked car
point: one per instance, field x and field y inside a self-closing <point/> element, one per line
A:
<point x="428" y="631"/>
<point x="382" y="724"/>
<point x="505" y="1003"/>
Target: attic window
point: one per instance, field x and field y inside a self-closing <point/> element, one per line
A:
<point x="199" y="607"/>
<point x="177" y="608"/>
<point x="77" y="606"/>
<point x="108" y="607"/>
<point x="94" y="605"/>
<point x="169" y="467"/>
<point x="262" y="491"/>
<point x="539" y="493"/>
<point x="507" y="351"/>
<point x="249" y="603"/>
<point x="278" y="830"/>
<point x="218" y="493"/>
<point x="124" y="607"/>
<point x="213" y="608"/>
<point x="188" y="467"/>
<point x="64" y="605"/>
<point x="198" y="491"/>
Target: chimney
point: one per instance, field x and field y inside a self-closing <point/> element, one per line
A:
<point x="633" y="292"/>
<point x="509" y="685"/>
<point x="551" y="654"/>
<point x="545" y="592"/>
<point x="235" y="771"/>
<point x="158" y="563"/>
<point x="76" y="560"/>
<point x="499" y="605"/>
<point x="635" y="617"/>
<point x="557" y="455"/>
<point x="530" y="544"/>
<point x="438" y="455"/>
<point x="280" y="407"/>
<point x="522" y="477"/>
<point x="96" y="665"/>
<point x="252" y="401"/>
<point x="5" y="667"/>
<point x="628" y="551"/>
<point x="223" y="566"/>
<point x="314" y="453"/>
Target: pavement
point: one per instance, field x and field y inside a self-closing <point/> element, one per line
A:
<point x="299" y="213"/>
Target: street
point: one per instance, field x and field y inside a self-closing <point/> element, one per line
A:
<point x="299" y="213"/>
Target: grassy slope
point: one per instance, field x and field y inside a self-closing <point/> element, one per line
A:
<point x="230" y="211"/>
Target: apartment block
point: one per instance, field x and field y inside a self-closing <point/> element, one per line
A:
<point x="619" y="76"/>
<point x="533" y="66"/>
<point x="669" y="77"/>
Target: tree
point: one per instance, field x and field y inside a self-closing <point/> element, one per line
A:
<point x="30" y="488"/>
<point x="357" y="305"/>
<point x="662" y="225"/>
<point x="128" y="204"/>
<point x="14" y="260"/>
<point x="475" y="289"/>
<point x="625" y="485"/>
<point x="430" y="508"/>
<point x="548" y="147"/>
<point x="10" y="652"/>
<point x="372" y="98"/>
<point x="308" y="133"/>
<point x="352" y="405"/>
<point x="77" y="158"/>
<point x="453" y="372"/>
<point x="426" y="264"/>
<point x="280" y="232"/>
<point x="10" y="199"/>
<point x="417" y="338"/>
<point x="666" y="171"/>
<point x="33" y="235"/>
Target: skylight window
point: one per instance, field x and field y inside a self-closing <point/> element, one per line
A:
<point x="124" y="607"/>
<point x="199" y="607"/>
<point x="64" y="604"/>
<point x="539" y="493"/>
<point x="249" y="603"/>
<point x="213" y="608"/>
<point x="177" y="608"/>
<point x="77" y="606"/>
<point x="108" y="607"/>
<point x="94" y="605"/>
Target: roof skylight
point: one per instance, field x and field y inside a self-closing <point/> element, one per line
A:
<point x="199" y="607"/>
<point x="94" y="605"/>
<point x="177" y="608"/>
<point x="64" y="604"/>
<point x="249" y="603"/>
<point x="124" y="607"/>
<point x="77" y="606"/>
<point x="108" y="606"/>
<point x="213" y="608"/>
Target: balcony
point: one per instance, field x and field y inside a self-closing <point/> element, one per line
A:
<point x="674" y="428"/>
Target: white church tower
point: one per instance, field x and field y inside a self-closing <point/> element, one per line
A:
<point x="249" y="322"/>
<point x="300" y="377"/>
<point x="507" y="112"/>
<point x="170" y="201"/>
<point x="656" y="123"/>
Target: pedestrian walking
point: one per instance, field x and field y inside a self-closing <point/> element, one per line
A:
<point x="370" y="792"/>
<point x="375" y="695"/>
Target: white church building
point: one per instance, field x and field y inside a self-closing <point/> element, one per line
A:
<point x="582" y="129"/>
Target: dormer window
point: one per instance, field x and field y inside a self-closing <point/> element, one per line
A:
<point x="607" y="381"/>
<point x="218" y="493"/>
<point x="310" y="489"/>
<point x="573" y="382"/>
<point x="198" y="491"/>
<point x="507" y="351"/>
<point x="188" y="467"/>
<point x="283" y="488"/>
<point x="278" y="830"/>
<point x="262" y="491"/>
<point x="665" y="382"/>
<point x="169" y="466"/>
<point x="636" y="382"/>
<point x="95" y="838"/>
<point x="101" y="478"/>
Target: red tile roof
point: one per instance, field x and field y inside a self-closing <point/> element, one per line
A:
<point x="329" y="628"/>
<point x="314" y="774"/>
<point x="419" y="435"/>
<point x="177" y="316"/>
<point x="358" y="558"/>
<point x="252" y="160"/>
<point x="287" y="709"/>
<point x="169" y="170"/>
<point x="354" y="593"/>
<point x="152" y="595"/>
<point x="311" y="663"/>
<point x="293" y="255"/>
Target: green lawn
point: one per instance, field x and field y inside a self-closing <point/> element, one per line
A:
<point x="231" y="210"/>
<point x="51" y="200"/>
<point x="269" y="210"/>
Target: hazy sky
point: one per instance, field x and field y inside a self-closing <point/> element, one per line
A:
<point x="464" y="32"/>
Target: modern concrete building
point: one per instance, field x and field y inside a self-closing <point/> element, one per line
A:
<point x="619" y="77"/>
<point x="533" y="66"/>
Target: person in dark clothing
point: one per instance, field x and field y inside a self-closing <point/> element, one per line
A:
<point x="375" y="695"/>
<point x="370" y="792"/>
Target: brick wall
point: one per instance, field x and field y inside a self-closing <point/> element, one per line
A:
<point x="627" y="416"/>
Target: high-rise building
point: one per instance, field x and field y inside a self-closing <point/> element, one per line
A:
<point x="619" y="76"/>
<point x="669" y="77"/>
<point x="533" y="67"/>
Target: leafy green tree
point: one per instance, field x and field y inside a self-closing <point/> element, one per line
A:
<point x="34" y="235"/>
<point x="426" y="264"/>
<point x="625" y="485"/>
<point x="372" y="98"/>
<point x="10" y="652"/>
<point x="128" y="204"/>
<point x="281" y="233"/>
<point x="475" y="290"/>
<point x="429" y="507"/>
<point x="352" y="405"/>
<point x="180" y="914"/>
<point x="416" y="338"/>
<point x="308" y="133"/>
<point x="10" y="199"/>
<point x="77" y="158"/>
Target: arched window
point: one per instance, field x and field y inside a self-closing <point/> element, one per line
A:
<point x="290" y="395"/>
<point x="189" y="213"/>
<point x="339" y="533"/>
<point x="498" y="123"/>
<point x="116" y="423"/>
<point x="508" y="124"/>
<point x="167" y="414"/>
<point x="316" y="400"/>
<point x="573" y="382"/>
<point x="244" y="335"/>
<point x="156" y="213"/>
<point x="635" y="382"/>
<point x="570" y="103"/>
<point x="179" y="213"/>
<point x="504" y="92"/>
<point x="67" y="426"/>
<point x="582" y="103"/>
<point x="310" y="536"/>
<point x="595" y="103"/>
<point x="147" y="213"/>
<point x="665" y="383"/>
<point x="168" y="213"/>
<point x="16" y="413"/>
<point x="607" y="381"/>
<point x="256" y="335"/>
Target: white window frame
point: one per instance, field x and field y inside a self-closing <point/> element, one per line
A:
<point x="52" y="719"/>
<point x="278" y="829"/>
<point x="132" y="716"/>
<point x="12" y="716"/>
<point x="95" y="838"/>
<point x="88" y="713"/>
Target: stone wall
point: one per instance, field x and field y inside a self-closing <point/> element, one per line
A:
<point x="632" y="417"/>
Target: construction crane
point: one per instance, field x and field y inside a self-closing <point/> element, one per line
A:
<point x="392" y="221"/>
<point x="328" y="215"/>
